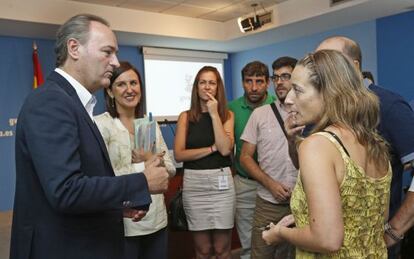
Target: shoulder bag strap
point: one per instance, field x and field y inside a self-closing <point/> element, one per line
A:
<point x="279" y="118"/>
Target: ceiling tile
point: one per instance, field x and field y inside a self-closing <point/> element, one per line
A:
<point x="187" y="10"/>
<point x="211" y="4"/>
<point x="101" y="2"/>
<point x="217" y="10"/>
<point x="149" y="5"/>
<point x="226" y="13"/>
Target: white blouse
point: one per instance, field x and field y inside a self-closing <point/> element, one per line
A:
<point x="118" y="142"/>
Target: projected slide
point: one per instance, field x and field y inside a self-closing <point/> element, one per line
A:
<point x="168" y="86"/>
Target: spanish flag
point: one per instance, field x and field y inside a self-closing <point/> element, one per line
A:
<point x="37" y="70"/>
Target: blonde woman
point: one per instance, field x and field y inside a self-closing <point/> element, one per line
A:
<point x="340" y="201"/>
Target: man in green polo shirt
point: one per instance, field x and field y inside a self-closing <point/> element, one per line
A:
<point x="255" y="77"/>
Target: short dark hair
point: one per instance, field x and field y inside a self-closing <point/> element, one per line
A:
<point x="255" y="68"/>
<point x="109" y="102"/>
<point x="76" y="27"/>
<point x="368" y="75"/>
<point x="284" y="62"/>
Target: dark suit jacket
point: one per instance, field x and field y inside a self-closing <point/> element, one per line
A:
<point x="397" y="128"/>
<point x="68" y="203"/>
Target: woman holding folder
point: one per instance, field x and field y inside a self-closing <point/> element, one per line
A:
<point x="147" y="237"/>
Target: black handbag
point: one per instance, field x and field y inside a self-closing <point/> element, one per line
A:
<point x="178" y="220"/>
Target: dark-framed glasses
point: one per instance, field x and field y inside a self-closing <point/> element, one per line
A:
<point x="283" y="77"/>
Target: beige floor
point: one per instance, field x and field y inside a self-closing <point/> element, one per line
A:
<point x="5" y="224"/>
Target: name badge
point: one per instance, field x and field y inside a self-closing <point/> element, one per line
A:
<point x="223" y="182"/>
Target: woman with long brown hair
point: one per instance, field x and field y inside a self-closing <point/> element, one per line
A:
<point x="204" y="142"/>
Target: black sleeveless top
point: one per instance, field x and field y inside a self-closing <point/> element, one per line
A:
<point x="201" y="134"/>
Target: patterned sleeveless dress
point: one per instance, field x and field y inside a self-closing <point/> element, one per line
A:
<point x="364" y="201"/>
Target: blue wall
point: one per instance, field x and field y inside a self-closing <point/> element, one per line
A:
<point x="363" y="33"/>
<point x="381" y="41"/>
<point x="395" y="46"/>
<point x="16" y="73"/>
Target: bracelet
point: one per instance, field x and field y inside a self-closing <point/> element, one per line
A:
<point x="213" y="148"/>
<point x="391" y="232"/>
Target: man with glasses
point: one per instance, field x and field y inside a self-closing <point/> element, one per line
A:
<point x="274" y="170"/>
<point x="282" y="70"/>
<point x="255" y="77"/>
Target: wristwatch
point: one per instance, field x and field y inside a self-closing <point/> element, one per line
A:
<point x="391" y="232"/>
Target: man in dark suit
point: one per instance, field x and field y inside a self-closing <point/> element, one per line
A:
<point x="68" y="203"/>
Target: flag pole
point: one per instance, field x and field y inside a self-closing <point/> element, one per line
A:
<point x="37" y="70"/>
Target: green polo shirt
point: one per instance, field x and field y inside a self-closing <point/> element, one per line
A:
<point x="242" y="111"/>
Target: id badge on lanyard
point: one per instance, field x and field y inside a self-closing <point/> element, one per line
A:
<point x="223" y="181"/>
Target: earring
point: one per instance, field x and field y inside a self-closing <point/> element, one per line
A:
<point x="113" y="102"/>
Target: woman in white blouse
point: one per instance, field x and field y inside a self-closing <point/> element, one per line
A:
<point x="148" y="237"/>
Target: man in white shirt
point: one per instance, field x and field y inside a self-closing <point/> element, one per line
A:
<point x="274" y="170"/>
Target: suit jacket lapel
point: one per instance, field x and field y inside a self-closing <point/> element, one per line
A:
<point x="68" y="88"/>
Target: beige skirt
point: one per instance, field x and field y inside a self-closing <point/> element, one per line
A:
<point x="209" y="199"/>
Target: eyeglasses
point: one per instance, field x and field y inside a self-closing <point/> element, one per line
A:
<point x="283" y="77"/>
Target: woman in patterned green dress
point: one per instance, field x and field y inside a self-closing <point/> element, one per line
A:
<point x="340" y="200"/>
